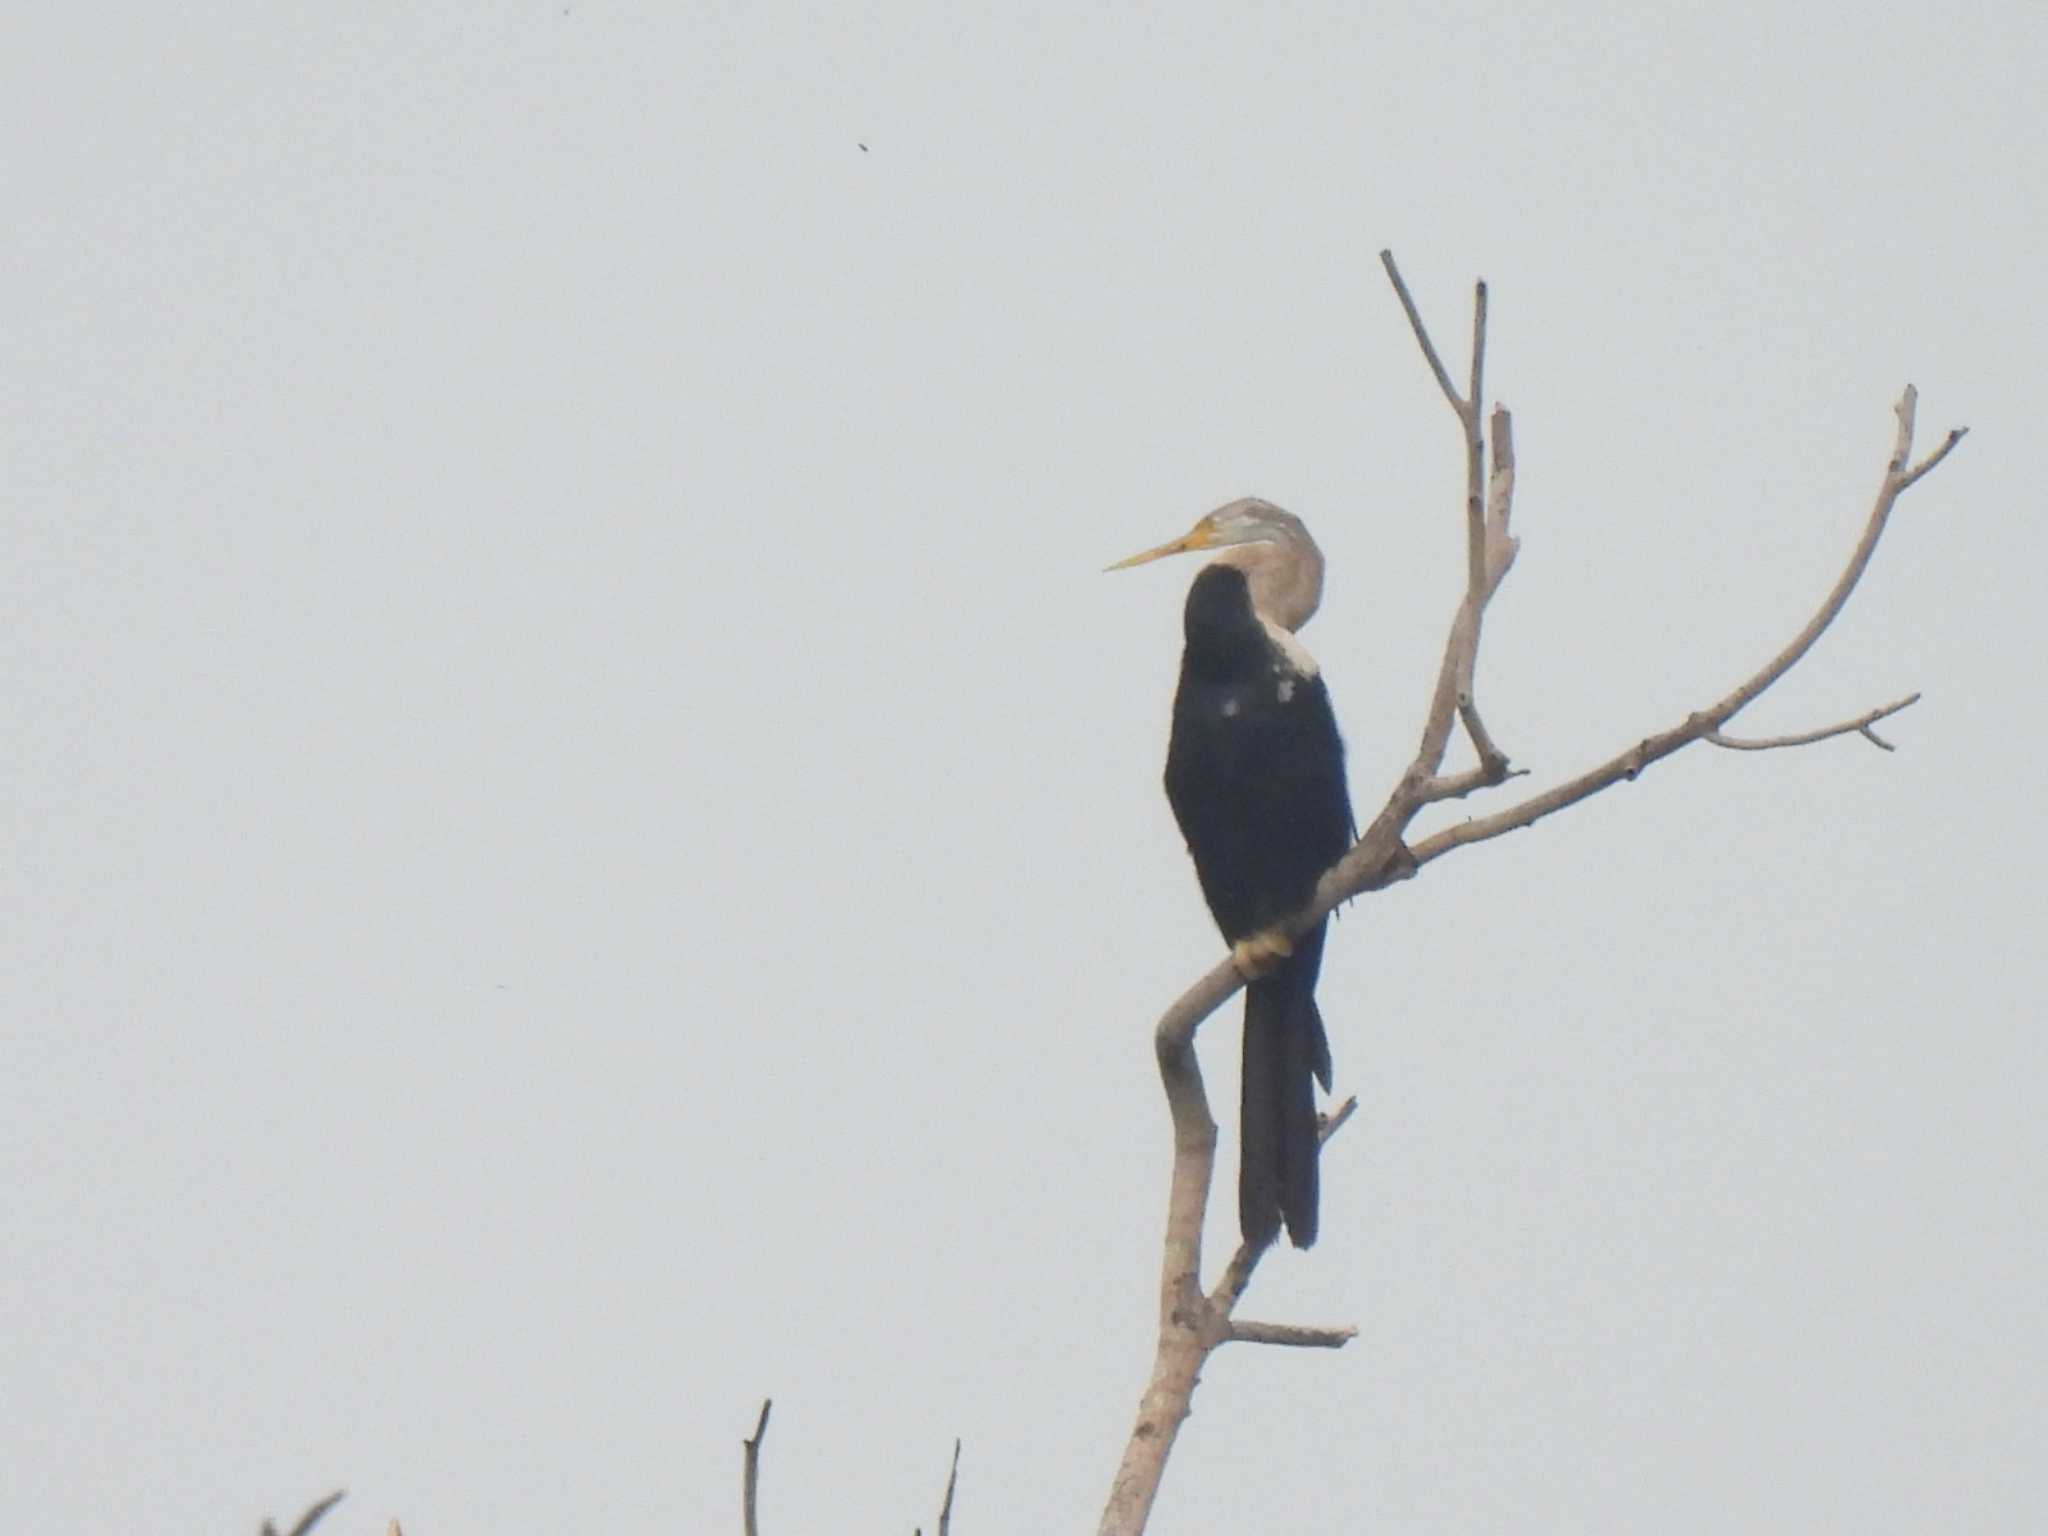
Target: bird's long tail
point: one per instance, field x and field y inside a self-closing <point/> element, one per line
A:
<point x="1285" y="1054"/>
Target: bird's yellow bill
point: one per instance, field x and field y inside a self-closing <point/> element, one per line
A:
<point x="1201" y="536"/>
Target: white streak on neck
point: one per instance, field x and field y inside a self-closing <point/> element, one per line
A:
<point x="1291" y="650"/>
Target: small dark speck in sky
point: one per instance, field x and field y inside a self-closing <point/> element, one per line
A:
<point x="863" y="149"/>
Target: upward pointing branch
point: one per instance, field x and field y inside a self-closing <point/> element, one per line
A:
<point x="750" y="1475"/>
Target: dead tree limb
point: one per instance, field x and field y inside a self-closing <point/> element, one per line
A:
<point x="945" y="1524"/>
<point x="311" y="1517"/>
<point x="1861" y="725"/>
<point x="1192" y="1322"/>
<point x="750" y="1474"/>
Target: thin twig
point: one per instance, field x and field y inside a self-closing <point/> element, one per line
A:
<point x="1501" y="546"/>
<point x="750" y="1478"/>
<point x="311" y="1517"/>
<point x="1475" y="474"/>
<point x="946" y="1508"/>
<point x="1436" y="364"/>
<point x="1330" y="1124"/>
<point x="1860" y="726"/>
<point x="1476" y="394"/>
<point x="1492" y="760"/>
<point x="1291" y="1335"/>
<point x="1456" y="786"/>
<point x="1237" y="1274"/>
<point x="1956" y="435"/>
<point x="1488" y="553"/>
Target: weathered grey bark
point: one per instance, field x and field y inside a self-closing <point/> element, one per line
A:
<point x="750" y="1469"/>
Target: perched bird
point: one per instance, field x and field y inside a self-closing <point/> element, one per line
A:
<point x="1255" y="775"/>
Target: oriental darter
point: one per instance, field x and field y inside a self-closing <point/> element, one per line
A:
<point x="1255" y="776"/>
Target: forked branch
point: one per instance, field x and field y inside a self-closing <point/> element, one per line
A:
<point x="750" y="1480"/>
<point x="1900" y="474"/>
<point x="1861" y="725"/>
<point x="1193" y="1323"/>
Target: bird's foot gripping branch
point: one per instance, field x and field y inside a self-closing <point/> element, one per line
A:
<point x="1257" y="955"/>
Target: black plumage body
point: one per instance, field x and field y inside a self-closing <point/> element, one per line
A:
<point x="1255" y="775"/>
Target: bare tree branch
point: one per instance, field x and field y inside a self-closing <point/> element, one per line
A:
<point x="1291" y="1335"/>
<point x="750" y="1476"/>
<point x="1501" y="545"/>
<point x="1955" y="435"/>
<point x="1192" y="1324"/>
<point x="1456" y="786"/>
<point x="1333" y="1122"/>
<point x="1493" y="763"/>
<point x="946" y="1508"/>
<point x="1861" y="726"/>
<point x="1475" y="456"/>
<point x="1436" y="364"/>
<point x="1487" y="503"/>
<point x="1237" y="1274"/>
<point x="1701" y="724"/>
<point x="311" y="1517"/>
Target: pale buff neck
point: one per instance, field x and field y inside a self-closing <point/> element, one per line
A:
<point x="1285" y="579"/>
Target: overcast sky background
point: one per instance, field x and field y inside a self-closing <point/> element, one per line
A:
<point x="580" y="832"/>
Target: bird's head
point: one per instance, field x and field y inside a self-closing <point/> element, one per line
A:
<point x="1282" y="566"/>
<point x="1248" y="520"/>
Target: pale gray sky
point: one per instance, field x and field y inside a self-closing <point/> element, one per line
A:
<point x="580" y="834"/>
